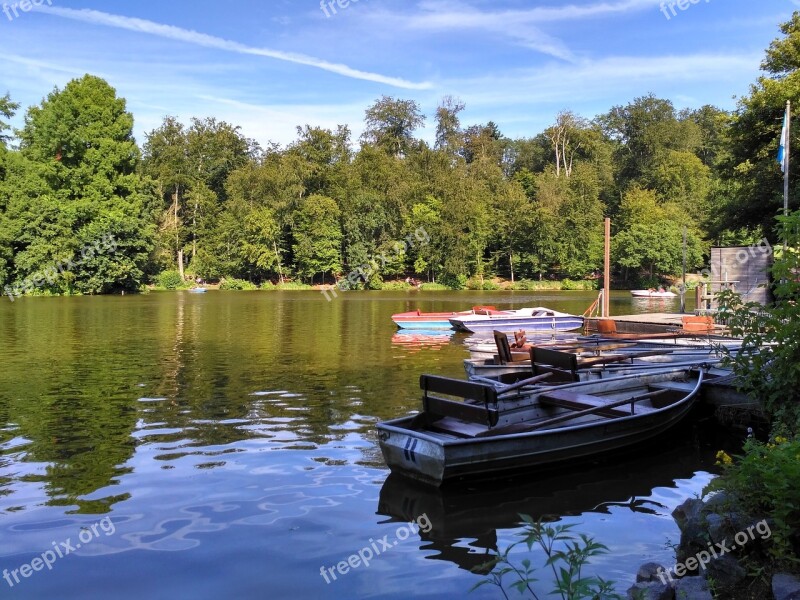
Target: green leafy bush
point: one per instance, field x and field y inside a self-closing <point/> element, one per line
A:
<point x="396" y="286"/>
<point x="434" y="287"/>
<point x="566" y="563"/>
<point x="293" y="285"/>
<point x="169" y="280"/>
<point x="582" y="285"/>
<point x="767" y="365"/>
<point x="765" y="481"/>
<point x="485" y="285"/>
<point x="454" y="282"/>
<point x="527" y="285"/>
<point x="236" y="285"/>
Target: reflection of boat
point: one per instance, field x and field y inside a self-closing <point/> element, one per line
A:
<point x="422" y="338"/>
<point x="652" y="294"/>
<point x="465" y="520"/>
<point x="529" y="319"/>
<point x="492" y="433"/>
<point x="417" y="319"/>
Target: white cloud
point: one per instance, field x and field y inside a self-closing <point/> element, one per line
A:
<point x="521" y="26"/>
<point x="209" y="41"/>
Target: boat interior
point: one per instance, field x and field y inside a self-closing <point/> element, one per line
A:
<point x="457" y="409"/>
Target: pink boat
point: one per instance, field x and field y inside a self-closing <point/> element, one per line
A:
<point x="440" y="320"/>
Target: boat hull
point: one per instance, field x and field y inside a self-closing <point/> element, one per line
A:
<point x="435" y="459"/>
<point x="528" y="324"/>
<point x="434" y="320"/>
<point x="649" y="294"/>
<point x="422" y="323"/>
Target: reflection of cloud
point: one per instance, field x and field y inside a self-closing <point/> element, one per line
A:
<point x="208" y="41"/>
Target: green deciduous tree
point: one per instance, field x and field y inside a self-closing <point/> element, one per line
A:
<point x="76" y="184"/>
<point x="390" y="125"/>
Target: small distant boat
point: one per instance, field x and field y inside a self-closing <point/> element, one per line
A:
<point x="530" y="319"/>
<point x="197" y="290"/>
<point x="416" y="319"/>
<point x="652" y="294"/>
<point x="486" y="433"/>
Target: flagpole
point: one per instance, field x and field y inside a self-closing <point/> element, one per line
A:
<point x="786" y="169"/>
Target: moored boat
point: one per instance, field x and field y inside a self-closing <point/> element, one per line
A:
<point x="488" y="433"/>
<point x="652" y="294"/>
<point x="417" y="319"/>
<point x="535" y="319"/>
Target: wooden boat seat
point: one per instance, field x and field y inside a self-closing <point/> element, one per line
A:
<point x="574" y="401"/>
<point x="477" y="401"/>
<point x="457" y="428"/>
<point x="678" y="386"/>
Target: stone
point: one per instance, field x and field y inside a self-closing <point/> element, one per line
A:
<point x="649" y="572"/>
<point x="694" y="534"/>
<point x="650" y="590"/>
<point x="688" y="511"/>
<point x="692" y="588"/>
<point x="726" y="572"/>
<point x="785" y="587"/>
<point x="718" y="527"/>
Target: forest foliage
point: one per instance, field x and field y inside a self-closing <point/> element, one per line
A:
<point x="202" y="199"/>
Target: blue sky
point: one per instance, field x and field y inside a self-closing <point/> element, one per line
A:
<point x="269" y="66"/>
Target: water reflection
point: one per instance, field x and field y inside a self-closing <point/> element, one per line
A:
<point x="236" y="432"/>
<point x="466" y="519"/>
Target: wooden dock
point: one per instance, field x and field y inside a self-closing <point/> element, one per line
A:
<point x="644" y="323"/>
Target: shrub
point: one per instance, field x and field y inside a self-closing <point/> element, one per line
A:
<point x="583" y="285"/>
<point x="169" y="280"/>
<point x="766" y="366"/>
<point x="765" y="481"/>
<point x="454" y="282"/>
<point x="234" y="284"/>
<point x="486" y="285"/>
<point x="293" y="285"/>
<point x="433" y="287"/>
<point x="527" y="285"/>
<point x="395" y="286"/>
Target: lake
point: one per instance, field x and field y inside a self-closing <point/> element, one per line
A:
<point x="177" y="445"/>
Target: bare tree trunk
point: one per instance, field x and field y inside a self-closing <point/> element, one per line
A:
<point x="278" y="256"/>
<point x="511" y="264"/>
<point x="178" y="249"/>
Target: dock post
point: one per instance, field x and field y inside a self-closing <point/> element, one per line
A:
<point x="607" y="272"/>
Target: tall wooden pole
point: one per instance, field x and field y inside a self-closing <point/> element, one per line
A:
<point x="683" y="287"/>
<point x="607" y="272"/>
<point x="786" y="168"/>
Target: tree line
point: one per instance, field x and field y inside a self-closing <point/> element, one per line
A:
<point x="202" y="199"/>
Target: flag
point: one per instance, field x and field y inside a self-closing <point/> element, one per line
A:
<point x="784" y="138"/>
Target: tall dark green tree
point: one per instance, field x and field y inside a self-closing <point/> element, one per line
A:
<point x="77" y="184"/>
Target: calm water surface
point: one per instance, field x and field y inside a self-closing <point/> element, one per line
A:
<point x="223" y="446"/>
